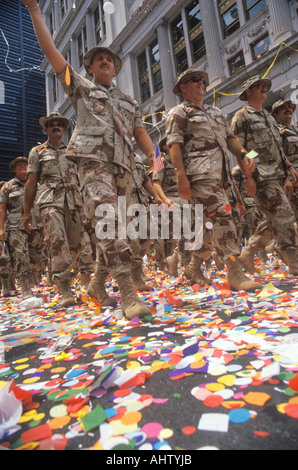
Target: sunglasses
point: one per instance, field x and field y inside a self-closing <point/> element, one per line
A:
<point x="197" y="80"/>
<point x="261" y="86"/>
<point x="55" y="124"/>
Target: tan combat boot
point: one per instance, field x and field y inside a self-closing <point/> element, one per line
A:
<point x="194" y="272"/>
<point x="247" y="258"/>
<point x="238" y="280"/>
<point x="96" y="290"/>
<point x="5" y="287"/>
<point x="64" y="289"/>
<point x="26" y="288"/>
<point x="138" y="276"/>
<point x="290" y="258"/>
<point x="172" y="263"/>
<point x="84" y="278"/>
<point x="132" y="305"/>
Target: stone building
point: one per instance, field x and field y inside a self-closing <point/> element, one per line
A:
<point x="158" y="39"/>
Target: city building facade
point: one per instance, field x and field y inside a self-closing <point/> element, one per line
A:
<point x="22" y="85"/>
<point x="158" y="39"/>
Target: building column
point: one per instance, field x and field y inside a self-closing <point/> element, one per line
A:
<point x="212" y="36"/>
<point x="280" y="20"/>
<point x="167" y="71"/>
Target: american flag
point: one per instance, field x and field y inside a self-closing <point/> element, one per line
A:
<point x="157" y="164"/>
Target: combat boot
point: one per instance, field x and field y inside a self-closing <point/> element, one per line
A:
<point x="96" y="290"/>
<point x="132" y="305"/>
<point x="247" y="258"/>
<point x="137" y="276"/>
<point x="238" y="280"/>
<point x="5" y="287"/>
<point x="172" y="263"/>
<point x="26" y="288"/>
<point x="194" y="273"/>
<point x="290" y="258"/>
<point x="84" y="278"/>
<point x="64" y="289"/>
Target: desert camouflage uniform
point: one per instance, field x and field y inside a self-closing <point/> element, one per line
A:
<point x="257" y="130"/>
<point x="203" y="133"/>
<point x="168" y="178"/>
<point x="290" y="147"/>
<point x="60" y="204"/>
<point x="102" y="147"/>
<point x="26" y="250"/>
<point x="253" y="215"/>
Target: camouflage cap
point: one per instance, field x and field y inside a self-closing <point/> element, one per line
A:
<point x="280" y="103"/>
<point x="54" y="116"/>
<point x="17" y="160"/>
<point x="186" y="76"/>
<point x="253" y="81"/>
<point x="88" y="57"/>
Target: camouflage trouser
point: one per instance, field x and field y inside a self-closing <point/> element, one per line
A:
<point x="85" y="261"/>
<point x="65" y="232"/>
<point x="279" y="218"/>
<point x="219" y="231"/>
<point x="5" y="261"/>
<point x="251" y="220"/>
<point x="27" y="253"/>
<point x="101" y="187"/>
<point x="294" y="202"/>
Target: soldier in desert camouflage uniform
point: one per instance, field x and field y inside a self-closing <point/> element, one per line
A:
<point x="60" y="202"/>
<point x="258" y="131"/>
<point x="6" y="272"/>
<point x="143" y="193"/>
<point x="102" y="146"/>
<point x="165" y="184"/>
<point x="199" y="139"/>
<point x="283" y="111"/>
<point x="26" y="250"/>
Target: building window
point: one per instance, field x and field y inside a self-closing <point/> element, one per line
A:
<point x="229" y="17"/>
<point x="100" y="23"/>
<point x="260" y="47"/>
<point x="236" y="62"/>
<point x="253" y="7"/>
<point x="63" y="7"/>
<point x="54" y="88"/>
<point x="82" y="45"/>
<point x="195" y="30"/>
<point x="179" y="48"/>
<point x="52" y="22"/>
<point x="155" y="66"/>
<point x="144" y="77"/>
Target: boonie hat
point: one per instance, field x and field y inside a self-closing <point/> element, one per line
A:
<point x="187" y="75"/>
<point x="280" y="103"/>
<point x="88" y="57"/>
<point x="54" y="116"/>
<point x="252" y="81"/>
<point x="17" y="160"/>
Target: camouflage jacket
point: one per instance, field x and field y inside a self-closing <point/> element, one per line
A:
<point x="12" y="194"/>
<point x="167" y="176"/>
<point x="106" y="120"/>
<point x="203" y="134"/>
<point x="257" y="130"/>
<point x="290" y="143"/>
<point x="57" y="175"/>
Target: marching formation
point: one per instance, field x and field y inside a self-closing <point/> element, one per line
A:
<point x="51" y="210"/>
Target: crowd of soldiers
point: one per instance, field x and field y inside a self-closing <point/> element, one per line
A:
<point x="50" y="211"/>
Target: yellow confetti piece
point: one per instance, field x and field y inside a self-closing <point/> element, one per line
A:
<point x="215" y="387"/>
<point x="227" y="380"/>
<point x="166" y="433"/>
<point x="31" y="380"/>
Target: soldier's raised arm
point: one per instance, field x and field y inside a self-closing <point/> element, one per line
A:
<point x="44" y="37"/>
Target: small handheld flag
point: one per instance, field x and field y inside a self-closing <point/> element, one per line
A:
<point x="157" y="164"/>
